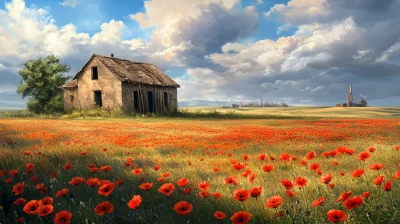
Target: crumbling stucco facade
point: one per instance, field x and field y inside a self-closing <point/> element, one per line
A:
<point x="101" y="83"/>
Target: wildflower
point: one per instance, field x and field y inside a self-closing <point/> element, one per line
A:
<point x="146" y="186"/>
<point x="135" y="202"/>
<point x="256" y="191"/>
<point x="300" y="181"/>
<point x="336" y="216"/>
<point x="268" y="168"/>
<point x="32" y="207"/>
<point x="241" y="194"/>
<point x="106" y="189"/>
<point x="167" y="189"/>
<point x="318" y="202"/>
<point x="387" y="186"/>
<point x="183" y="208"/>
<point x="104" y="208"/>
<point x="18" y="188"/>
<point x="354" y="202"/>
<point x="219" y="215"/>
<point x="63" y="217"/>
<point x="45" y="210"/>
<point x="274" y="202"/>
<point x="241" y="217"/>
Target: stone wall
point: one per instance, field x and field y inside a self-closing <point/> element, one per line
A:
<point x="109" y="85"/>
<point x="71" y="99"/>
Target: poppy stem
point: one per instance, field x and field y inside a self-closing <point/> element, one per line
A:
<point x="259" y="208"/>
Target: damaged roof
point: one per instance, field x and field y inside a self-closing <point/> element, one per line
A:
<point x="134" y="72"/>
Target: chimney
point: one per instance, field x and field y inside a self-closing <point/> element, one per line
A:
<point x="351" y="89"/>
<point x="112" y="55"/>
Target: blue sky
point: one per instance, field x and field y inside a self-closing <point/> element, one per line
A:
<point x="225" y="50"/>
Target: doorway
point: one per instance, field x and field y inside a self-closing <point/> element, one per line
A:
<point x="166" y="100"/>
<point x="136" y="100"/>
<point x="97" y="98"/>
<point x="150" y="101"/>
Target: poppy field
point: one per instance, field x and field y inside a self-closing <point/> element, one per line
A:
<point x="200" y="171"/>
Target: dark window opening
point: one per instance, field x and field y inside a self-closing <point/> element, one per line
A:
<point x="150" y="101"/>
<point x="136" y="100"/>
<point x="166" y="100"/>
<point x="95" y="75"/>
<point x="72" y="98"/>
<point x="97" y="98"/>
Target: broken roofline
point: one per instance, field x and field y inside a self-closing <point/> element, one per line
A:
<point x="133" y="72"/>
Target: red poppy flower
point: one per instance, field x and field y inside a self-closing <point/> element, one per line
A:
<point x="371" y="149"/>
<point x="216" y="169"/>
<point x="166" y="174"/>
<point x="311" y="155"/>
<point x="326" y="178"/>
<point x="336" y="216"/>
<point x="231" y="180"/>
<point x="104" y="208"/>
<point x="366" y="194"/>
<point x="32" y="207"/>
<point x="252" y="177"/>
<point x="67" y="166"/>
<point x="18" y="188"/>
<point x="146" y="186"/>
<point x="135" y="202"/>
<point x="379" y="180"/>
<point x="314" y="166"/>
<point x="166" y="189"/>
<point x="397" y="175"/>
<point x="357" y="173"/>
<point x="46" y="201"/>
<point x="92" y="182"/>
<point x="262" y="157"/>
<point x="137" y="171"/>
<point x="54" y="174"/>
<point x="289" y="193"/>
<point x="19" y="201"/>
<point x="106" y="168"/>
<point x="13" y="172"/>
<point x="239" y="166"/>
<point x="335" y="163"/>
<point x="119" y="182"/>
<point x="363" y="156"/>
<point x="285" y="157"/>
<point x="318" y="202"/>
<point x="219" y="215"/>
<point x="183" y="182"/>
<point x="76" y="181"/>
<point x="245" y="156"/>
<point x="41" y="188"/>
<point x="300" y="181"/>
<point x="216" y="195"/>
<point x="387" y="186"/>
<point x="161" y="179"/>
<point x="62" y="192"/>
<point x="128" y="164"/>
<point x="45" y="210"/>
<point x="303" y="162"/>
<point x="343" y="196"/>
<point x="241" y="194"/>
<point x="268" y="168"/>
<point x="94" y="170"/>
<point x="204" y="186"/>
<point x="353" y="202"/>
<point x="274" y="202"/>
<point x="331" y="185"/>
<point x="30" y="165"/>
<point x="20" y="219"/>
<point x="204" y="194"/>
<point x="256" y="191"/>
<point x="183" y="208"/>
<point x="63" y="217"/>
<point x="241" y="217"/>
<point x="376" y="166"/>
<point x="106" y="189"/>
<point x="187" y="190"/>
<point x="33" y="179"/>
<point x="287" y="184"/>
<point x="157" y="167"/>
<point x="246" y="173"/>
<point x="342" y="173"/>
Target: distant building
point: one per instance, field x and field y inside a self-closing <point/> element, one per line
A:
<point x="351" y="101"/>
<point x="234" y="105"/>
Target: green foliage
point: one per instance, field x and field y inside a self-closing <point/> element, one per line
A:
<point x="41" y="82"/>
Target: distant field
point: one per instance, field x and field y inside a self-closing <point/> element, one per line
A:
<point x="353" y="112"/>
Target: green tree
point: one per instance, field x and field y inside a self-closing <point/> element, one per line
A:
<point x="41" y="82"/>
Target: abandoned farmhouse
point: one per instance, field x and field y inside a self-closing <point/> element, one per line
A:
<point x="114" y="83"/>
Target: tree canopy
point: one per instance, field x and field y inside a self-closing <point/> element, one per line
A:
<point x="41" y="82"/>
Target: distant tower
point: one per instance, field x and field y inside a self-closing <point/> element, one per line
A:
<point x="350" y="97"/>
